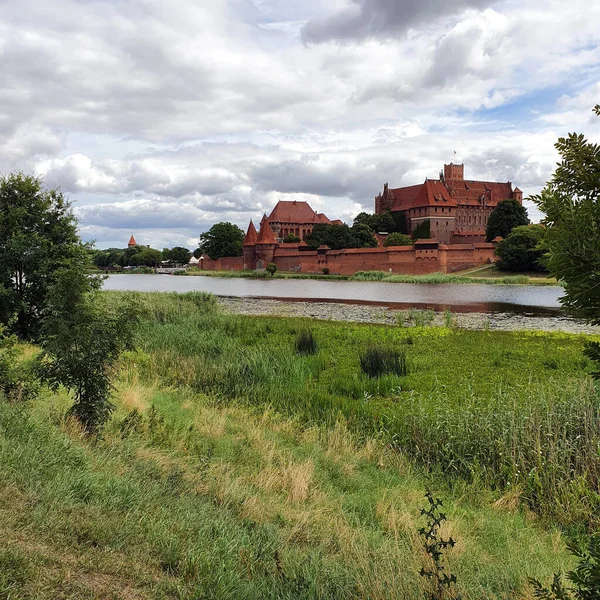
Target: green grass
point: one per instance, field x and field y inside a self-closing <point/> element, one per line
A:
<point x="235" y="467"/>
<point x="385" y="277"/>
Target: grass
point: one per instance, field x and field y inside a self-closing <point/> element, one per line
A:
<point x="235" y="467"/>
<point x="436" y="278"/>
<point x="205" y="501"/>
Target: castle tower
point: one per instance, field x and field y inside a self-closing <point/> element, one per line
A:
<point x="454" y="172"/>
<point x="131" y="242"/>
<point x="266" y="244"/>
<point x="518" y="195"/>
<point x="249" y="246"/>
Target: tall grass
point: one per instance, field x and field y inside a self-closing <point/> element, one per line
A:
<point x="516" y="411"/>
<point x="441" y="278"/>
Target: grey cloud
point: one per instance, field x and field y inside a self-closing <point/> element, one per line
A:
<point x="371" y="18"/>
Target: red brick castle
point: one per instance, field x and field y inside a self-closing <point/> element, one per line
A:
<point x="455" y="209"/>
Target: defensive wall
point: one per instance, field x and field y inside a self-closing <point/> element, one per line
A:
<point x="426" y="256"/>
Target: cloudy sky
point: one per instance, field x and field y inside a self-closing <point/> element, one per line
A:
<point x="162" y="117"/>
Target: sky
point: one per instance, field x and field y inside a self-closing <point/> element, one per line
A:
<point x="160" y="118"/>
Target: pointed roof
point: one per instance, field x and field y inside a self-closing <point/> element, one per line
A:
<point x="132" y="241"/>
<point x="251" y="235"/>
<point x="265" y="235"/>
<point x="518" y="190"/>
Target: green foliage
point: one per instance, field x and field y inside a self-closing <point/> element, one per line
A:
<point x="222" y="240"/>
<point x="335" y="236"/>
<point x="571" y="204"/>
<point x="507" y="215"/>
<point x="398" y="239"/>
<point x="441" y="583"/>
<point x="290" y="238"/>
<point x="17" y="377"/>
<point x="325" y="270"/>
<point x="141" y="256"/>
<point x="422" y="231"/>
<point x="522" y="249"/>
<point x="82" y="338"/>
<point x="178" y="255"/>
<point x="585" y="577"/>
<point x="271" y="269"/>
<point x="376" y="361"/>
<point x="306" y="342"/>
<point x="363" y="236"/>
<point x="377" y="223"/>
<point x="38" y="235"/>
<point x="110" y="257"/>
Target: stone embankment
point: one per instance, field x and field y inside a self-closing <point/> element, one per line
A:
<point x="378" y="314"/>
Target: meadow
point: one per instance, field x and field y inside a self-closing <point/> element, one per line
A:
<point x="236" y="467"/>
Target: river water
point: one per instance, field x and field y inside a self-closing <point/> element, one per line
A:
<point x="518" y="299"/>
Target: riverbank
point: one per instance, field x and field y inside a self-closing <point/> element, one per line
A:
<point x="470" y="277"/>
<point x="381" y="315"/>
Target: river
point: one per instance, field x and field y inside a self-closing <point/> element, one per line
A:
<point x="517" y="299"/>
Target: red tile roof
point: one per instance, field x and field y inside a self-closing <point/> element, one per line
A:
<point x="265" y="236"/>
<point x="132" y="241"/>
<point x="293" y="211"/>
<point x="251" y="235"/>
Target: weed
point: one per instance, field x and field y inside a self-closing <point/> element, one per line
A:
<point x="441" y="582"/>
<point x="377" y="361"/>
<point x="306" y="343"/>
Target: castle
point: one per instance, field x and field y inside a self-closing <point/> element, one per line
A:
<point x="453" y="209"/>
<point x="450" y="214"/>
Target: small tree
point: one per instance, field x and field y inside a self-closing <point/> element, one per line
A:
<point x="398" y="239"/>
<point x="522" y="250"/>
<point x="507" y="215"/>
<point x="38" y="235"/>
<point x="221" y="240"/>
<point x="290" y="238"/>
<point x="363" y="236"/>
<point x="271" y="269"/>
<point x="178" y="255"/>
<point x="82" y="338"/>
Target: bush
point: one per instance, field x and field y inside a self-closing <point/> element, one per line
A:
<point x="306" y="343"/>
<point x="17" y="379"/>
<point x="290" y="238"/>
<point x="397" y="239"/>
<point x="271" y="269"/>
<point x="377" y="361"/>
<point x="325" y="270"/>
<point x="369" y="275"/>
<point x="521" y="250"/>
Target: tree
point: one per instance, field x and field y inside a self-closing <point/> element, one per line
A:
<point x="178" y="255"/>
<point x="221" y="240"/>
<point x="141" y="256"/>
<point x="507" y="215"/>
<point x="384" y="223"/>
<point x="422" y="230"/>
<point x="398" y="239"/>
<point x="109" y="257"/>
<point x="38" y="235"/>
<point x="363" y="236"/>
<point x="522" y="250"/>
<point x="364" y="218"/>
<point x="82" y="338"/>
<point x="271" y="269"/>
<point x="290" y="238"/>
<point x="571" y="203"/>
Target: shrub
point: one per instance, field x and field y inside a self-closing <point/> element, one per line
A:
<point x="377" y="361"/>
<point x="290" y="238"/>
<point x="325" y="270"/>
<point x="398" y="239"/>
<point x="17" y="380"/>
<point x="271" y="269"/>
<point x="306" y="343"/>
<point x="586" y="576"/>
<point x="369" y="275"/>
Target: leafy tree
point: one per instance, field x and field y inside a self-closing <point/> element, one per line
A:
<point x="384" y="222"/>
<point x="522" y="250"/>
<point x="363" y="236"/>
<point x="109" y="257"/>
<point x="140" y="256"/>
<point x="271" y="268"/>
<point x="364" y="218"/>
<point x="178" y="255"/>
<point x="221" y="240"/>
<point x="317" y="235"/>
<point x="398" y="239"/>
<point x="507" y="215"/>
<point x="82" y="338"/>
<point x="290" y="238"/>
<point x="38" y="235"/>
<point x="571" y="203"/>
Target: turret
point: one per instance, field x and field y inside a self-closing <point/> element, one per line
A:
<point x="248" y="246"/>
<point x="454" y="172"/>
<point x="266" y="244"/>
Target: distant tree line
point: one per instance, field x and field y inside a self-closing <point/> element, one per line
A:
<point x="139" y="256"/>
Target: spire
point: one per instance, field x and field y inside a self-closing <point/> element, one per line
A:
<point x="265" y="236"/>
<point x="251" y="235"/>
<point x="132" y="241"/>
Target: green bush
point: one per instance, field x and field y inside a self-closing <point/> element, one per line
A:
<point x="17" y="378"/>
<point x="325" y="270"/>
<point x="377" y="361"/>
<point x="522" y="250"/>
<point x="271" y="269"/>
<point x="306" y="343"/>
<point x="398" y="239"/>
